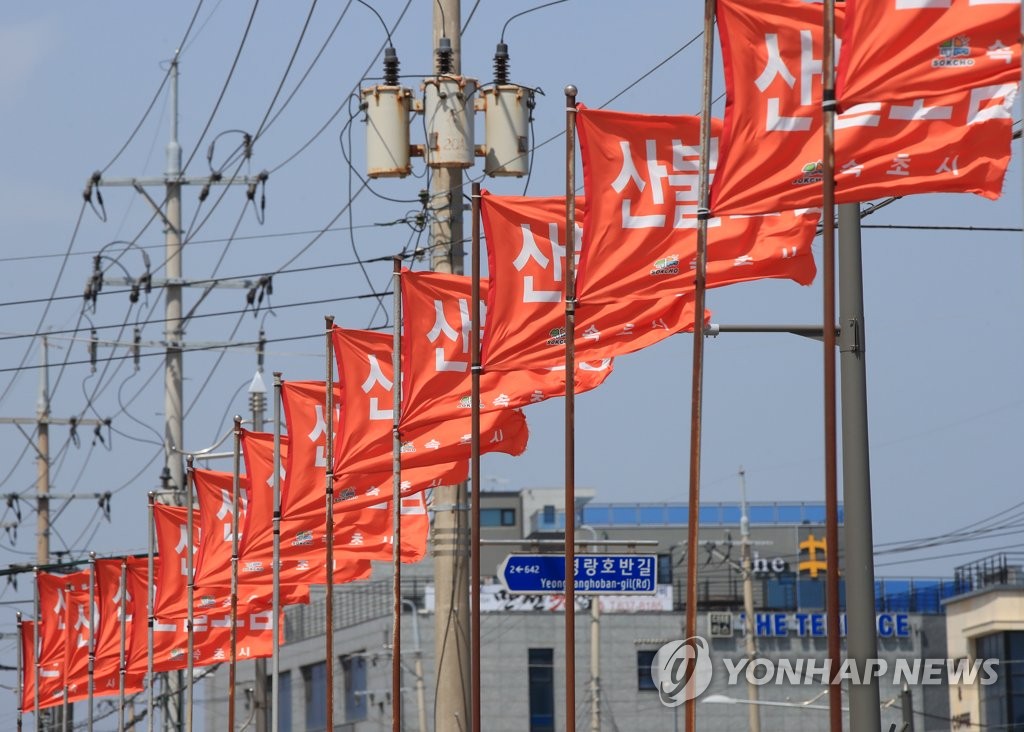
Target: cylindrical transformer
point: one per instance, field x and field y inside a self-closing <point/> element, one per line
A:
<point x="507" y="130"/>
<point x="387" y="131"/>
<point x="448" y="114"/>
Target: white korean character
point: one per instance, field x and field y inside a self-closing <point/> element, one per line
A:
<point x="626" y="565"/>
<point x="181" y="546"/>
<point x="531" y="250"/>
<point x="590" y="566"/>
<point x="262" y="620"/>
<point x="592" y="334"/>
<point x="991" y="102"/>
<point x="900" y="165"/>
<point x="917" y="111"/>
<point x="497" y="437"/>
<point x="357" y="539"/>
<point x="607" y="565"/>
<point x="502" y="400"/>
<point x="948" y="166"/>
<point x="158" y="627"/>
<point x="227" y="509"/>
<point x="441" y="326"/>
<point x="644" y="568"/>
<point x="999" y="52"/>
<point x="376" y="378"/>
<point x="852" y="167"/>
<point x="776" y="67"/>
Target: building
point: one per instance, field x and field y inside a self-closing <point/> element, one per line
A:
<point x="985" y="620"/>
<point x="522" y="650"/>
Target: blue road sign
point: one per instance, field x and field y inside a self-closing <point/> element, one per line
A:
<point x="596" y="574"/>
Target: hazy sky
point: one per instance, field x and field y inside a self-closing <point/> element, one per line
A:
<point x="943" y="306"/>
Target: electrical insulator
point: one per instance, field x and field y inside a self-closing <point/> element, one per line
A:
<point x="501" y="64"/>
<point x="387" y="108"/>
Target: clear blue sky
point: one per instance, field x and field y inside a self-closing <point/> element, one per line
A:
<point x="944" y="336"/>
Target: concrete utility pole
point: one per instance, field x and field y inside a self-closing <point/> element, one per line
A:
<point x="450" y="532"/>
<point x="42" y="422"/>
<point x="172" y="182"/>
<point x="173" y="477"/>
<point x="258" y="403"/>
<point x="748" y="601"/>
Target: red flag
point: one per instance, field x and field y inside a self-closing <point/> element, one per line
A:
<point x="108" y="632"/>
<point x="80" y="623"/>
<point x="256" y="547"/>
<point x="367" y="533"/>
<point x="436" y="359"/>
<point x="640" y="230"/>
<point x="53" y="631"/>
<point x="303" y="522"/>
<point x="525" y="299"/>
<point x="28" y="665"/>
<point x="429" y="451"/>
<point x="897" y="50"/>
<point x="212" y="631"/>
<point x="772" y="136"/>
<point x="213" y="559"/>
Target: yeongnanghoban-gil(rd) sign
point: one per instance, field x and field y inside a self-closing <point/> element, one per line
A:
<point x="595" y="574"/>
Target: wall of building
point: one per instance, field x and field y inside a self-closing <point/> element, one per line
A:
<point x="507" y="638"/>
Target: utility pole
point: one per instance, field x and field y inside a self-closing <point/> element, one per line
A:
<point x="172" y="182"/>
<point x="258" y="402"/>
<point x="450" y="532"/>
<point x="41" y="443"/>
<point x="748" y="601"/>
<point x="173" y="475"/>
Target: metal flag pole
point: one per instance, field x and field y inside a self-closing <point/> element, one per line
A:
<point x="190" y="592"/>
<point x="150" y="601"/>
<point x="697" y="384"/>
<point x="828" y="108"/>
<point x="861" y="640"/>
<point x="67" y="655"/>
<point x="275" y="661"/>
<point x="329" y="525"/>
<point x="396" y="504"/>
<point x="570" y="409"/>
<point x="21" y="683"/>
<point x="233" y="631"/>
<point x="122" y="660"/>
<point x="474" y="465"/>
<point x="35" y="648"/>
<point x="91" y="688"/>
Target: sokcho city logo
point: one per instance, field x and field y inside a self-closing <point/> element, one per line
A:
<point x="954" y="52"/>
<point x="682" y="670"/>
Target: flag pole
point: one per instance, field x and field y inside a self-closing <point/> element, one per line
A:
<point x="190" y="594"/>
<point x="474" y="457"/>
<point x="91" y="690"/>
<point x="275" y="662"/>
<point x="828" y="108"/>
<point x="21" y="682"/>
<point x="697" y="384"/>
<point x="122" y="661"/>
<point x="396" y="503"/>
<point x="570" y="409"/>
<point x="150" y="602"/>
<point x="329" y="524"/>
<point x="67" y="655"/>
<point x="233" y="633"/>
<point x="35" y="648"/>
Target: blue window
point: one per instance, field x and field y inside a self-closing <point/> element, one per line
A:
<point x="314" y="685"/>
<point x="541" y="669"/>
<point x="353" y="669"/>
